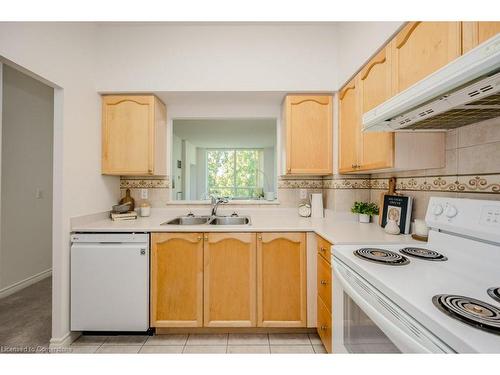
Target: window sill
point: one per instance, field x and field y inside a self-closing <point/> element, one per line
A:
<point x="255" y="202"/>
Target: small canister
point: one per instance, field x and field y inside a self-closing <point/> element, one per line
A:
<point x="145" y="209"/>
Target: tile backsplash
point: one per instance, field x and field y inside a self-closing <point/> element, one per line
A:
<point x="472" y="170"/>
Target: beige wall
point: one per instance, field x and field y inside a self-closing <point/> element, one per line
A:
<point x="27" y="132"/>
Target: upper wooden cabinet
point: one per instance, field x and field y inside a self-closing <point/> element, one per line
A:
<point x="475" y="33"/>
<point x="176" y="279"/>
<point x="281" y="280"/>
<point x="349" y="126"/>
<point x="230" y="280"/>
<point x="375" y="87"/>
<point x="308" y="130"/>
<point x="421" y="48"/>
<point x="133" y="135"/>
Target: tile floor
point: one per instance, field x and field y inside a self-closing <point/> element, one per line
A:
<point x="235" y="343"/>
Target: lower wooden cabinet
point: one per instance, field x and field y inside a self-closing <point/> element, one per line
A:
<point x="324" y="325"/>
<point x="230" y="280"/>
<point x="281" y="280"/>
<point x="324" y="300"/>
<point x="176" y="279"/>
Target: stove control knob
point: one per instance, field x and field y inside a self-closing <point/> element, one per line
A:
<point x="437" y="210"/>
<point x="451" y="211"/>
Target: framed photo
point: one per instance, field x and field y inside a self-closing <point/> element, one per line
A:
<point x="397" y="208"/>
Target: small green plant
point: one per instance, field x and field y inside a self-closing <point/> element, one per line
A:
<point x="366" y="208"/>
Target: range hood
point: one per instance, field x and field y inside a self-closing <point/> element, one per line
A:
<point x="465" y="91"/>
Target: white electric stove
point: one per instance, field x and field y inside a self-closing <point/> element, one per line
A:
<point x="434" y="297"/>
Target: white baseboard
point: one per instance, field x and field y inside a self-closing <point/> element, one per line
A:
<point x="4" y="292"/>
<point x="65" y="341"/>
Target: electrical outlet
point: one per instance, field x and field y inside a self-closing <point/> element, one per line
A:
<point x="144" y="193"/>
<point x="303" y="193"/>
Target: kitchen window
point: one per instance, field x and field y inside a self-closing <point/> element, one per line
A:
<point x="235" y="173"/>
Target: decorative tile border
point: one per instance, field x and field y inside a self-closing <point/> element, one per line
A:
<point x="292" y="183"/>
<point x="144" y="182"/>
<point x="485" y="183"/>
<point x="488" y="183"/>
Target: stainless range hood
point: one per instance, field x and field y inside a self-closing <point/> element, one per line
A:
<point x="465" y="91"/>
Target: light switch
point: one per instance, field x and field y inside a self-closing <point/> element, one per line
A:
<point x="38" y="193"/>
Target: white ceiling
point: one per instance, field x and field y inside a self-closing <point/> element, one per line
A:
<point x="227" y="133"/>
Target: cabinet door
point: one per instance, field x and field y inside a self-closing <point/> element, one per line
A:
<point x="176" y="279"/>
<point x="349" y="127"/>
<point x="421" y="48"/>
<point x="377" y="149"/>
<point x="309" y="128"/>
<point x="230" y="280"/>
<point x="324" y="317"/>
<point x="127" y="130"/>
<point x="281" y="280"/>
<point x="475" y="33"/>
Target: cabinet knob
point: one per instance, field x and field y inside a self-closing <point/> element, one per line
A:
<point x="322" y="249"/>
<point x="206" y="238"/>
<point x="199" y="238"/>
<point x="324" y="282"/>
<point x="323" y="328"/>
<point x="259" y="237"/>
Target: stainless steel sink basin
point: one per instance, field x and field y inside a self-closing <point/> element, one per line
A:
<point x="230" y="220"/>
<point x="202" y="220"/>
<point x="188" y="220"/>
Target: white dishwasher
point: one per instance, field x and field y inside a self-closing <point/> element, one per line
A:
<point x="110" y="282"/>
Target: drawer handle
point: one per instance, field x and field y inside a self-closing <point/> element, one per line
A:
<point x="323" y="328"/>
<point x="324" y="282"/>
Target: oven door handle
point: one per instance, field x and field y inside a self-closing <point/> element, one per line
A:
<point x="405" y="334"/>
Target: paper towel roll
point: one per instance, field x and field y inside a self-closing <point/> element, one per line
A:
<point x="316" y="205"/>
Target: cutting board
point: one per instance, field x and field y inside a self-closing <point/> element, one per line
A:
<point x="391" y="191"/>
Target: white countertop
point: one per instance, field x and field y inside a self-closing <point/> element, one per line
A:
<point x="337" y="228"/>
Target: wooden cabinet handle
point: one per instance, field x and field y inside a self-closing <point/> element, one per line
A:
<point x="324" y="282"/>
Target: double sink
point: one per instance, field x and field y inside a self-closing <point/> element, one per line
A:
<point x="209" y="220"/>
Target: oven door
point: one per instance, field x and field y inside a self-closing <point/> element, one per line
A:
<point x="365" y="321"/>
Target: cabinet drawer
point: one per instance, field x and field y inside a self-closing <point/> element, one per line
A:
<point x="325" y="282"/>
<point x="323" y="247"/>
<point x="324" y="325"/>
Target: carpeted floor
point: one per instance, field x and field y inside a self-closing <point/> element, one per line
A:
<point x="25" y="319"/>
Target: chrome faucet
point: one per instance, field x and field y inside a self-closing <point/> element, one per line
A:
<point x="215" y="203"/>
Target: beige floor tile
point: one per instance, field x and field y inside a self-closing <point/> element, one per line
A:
<point x="248" y="349"/>
<point x="289" y="339"/>
<point x="80" y="349"/>
<point x="315" y="340"/>
<point x="292" y="349"/>
<point x="89" y="341"/>
<point x="161" y="349"/>
<point x="207" y="339"/>
<point x="167" y="340"/>
<point x="125" y="340"/>
<point x="204" y="349"/>
<point x="319" y="349"/>
<point x="248" y="339"/>
<point x="119" y="349"/>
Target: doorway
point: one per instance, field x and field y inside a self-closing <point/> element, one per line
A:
<point x="27" y="133"/>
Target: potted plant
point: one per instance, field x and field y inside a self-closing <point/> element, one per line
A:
<point x="365" y="210"/>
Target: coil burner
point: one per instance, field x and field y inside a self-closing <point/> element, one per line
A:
<point x="494" y="293"/>
<point x="381" y="256"/>
<point x="418" y="252"/>
<point x="470" y="311"/>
